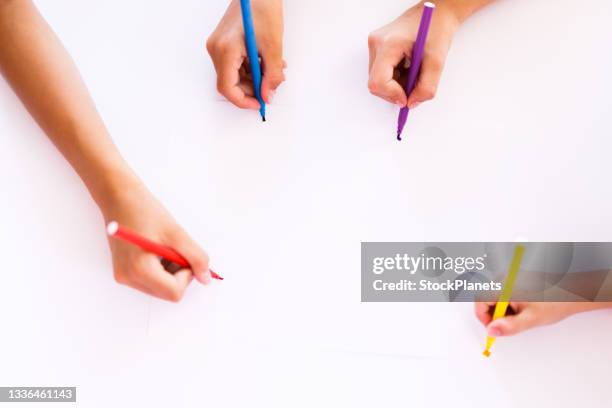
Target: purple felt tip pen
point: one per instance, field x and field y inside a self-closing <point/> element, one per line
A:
<point x="415" y="62"/>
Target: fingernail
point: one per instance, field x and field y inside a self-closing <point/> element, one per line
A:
<point x="400" y="104"/>
<point x="414" y="105"/>
<point x="271" y="97"/>
<point x="494" y="332"/>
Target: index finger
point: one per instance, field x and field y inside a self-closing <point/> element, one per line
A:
<point x="382" y="81"/>
<point x="161" y="283"/>
<point x="482" y="310"/>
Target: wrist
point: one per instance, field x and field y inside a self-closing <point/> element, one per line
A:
<point x="457" y="11"/>
<point x="112" y="187"/>
<point x="588" y="306"/>
<point x="572" y="308"/>
<point x="264" y="6"/>
<point x="267" y="2"/>
<point x="261" y="3"/>
<point x="446" y="13"/>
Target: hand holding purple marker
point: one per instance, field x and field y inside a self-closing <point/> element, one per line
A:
<point x="415" y="62"/>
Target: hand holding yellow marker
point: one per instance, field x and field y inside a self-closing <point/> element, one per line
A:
<point x="504" y="298"/>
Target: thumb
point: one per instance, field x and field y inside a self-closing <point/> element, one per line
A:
<point x="193" y="253"/>
<point x="511" y="325"/>
<point x="273" y="73"/>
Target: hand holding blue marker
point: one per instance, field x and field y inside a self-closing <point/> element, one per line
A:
<point x="253" y="53"/>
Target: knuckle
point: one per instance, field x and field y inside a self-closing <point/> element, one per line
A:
<point x="221" y="87"/>
<point x="174" y="295"/>
<point x="224" y="44"/>
<point x="428" y="92"/>
<point x="277" y="78"/>
<point x="210" y="45"/>
<point x="373" y="39"/>
<point x="373" y="87"/>
<point x="121" y="278"/>
<point x="217" y="45"/>
<point x="226" y="90"/>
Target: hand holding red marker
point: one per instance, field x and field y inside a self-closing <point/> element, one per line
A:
<point x="117" y="231"/>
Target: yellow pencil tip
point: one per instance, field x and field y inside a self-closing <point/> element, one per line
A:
<point x="486" y="353"/>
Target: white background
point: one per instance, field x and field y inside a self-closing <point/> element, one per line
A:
<point x="516" y="143"/>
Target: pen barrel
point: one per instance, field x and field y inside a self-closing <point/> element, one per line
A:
<point x="500" y="309"/>
<point x="150" y="246"/>
<point x="251" y="47"/>
<point x="418" y="49"/>
<point x="415" y="63"/>
<point x="401" y="119"/>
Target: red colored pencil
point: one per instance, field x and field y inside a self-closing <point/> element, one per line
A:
<point x="117" y="231"/>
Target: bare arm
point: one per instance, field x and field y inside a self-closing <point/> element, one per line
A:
<point x="43" y="75"/>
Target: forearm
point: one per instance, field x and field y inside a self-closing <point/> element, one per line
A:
<point x="43" y="75"/>
<point x="462" y="9"/>
<point x="588" y="306"/>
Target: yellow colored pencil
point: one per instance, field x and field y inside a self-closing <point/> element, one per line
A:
<point x="504" y="299"/>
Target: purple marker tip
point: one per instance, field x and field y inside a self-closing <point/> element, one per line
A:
<point x="415" y="62"/>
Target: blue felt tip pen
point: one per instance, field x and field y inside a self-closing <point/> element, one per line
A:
<point x="251" y="46"/>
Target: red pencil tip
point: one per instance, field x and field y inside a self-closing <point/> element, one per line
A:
<point x="215" y="275"/>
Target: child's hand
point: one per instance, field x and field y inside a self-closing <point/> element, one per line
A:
<point x="138" y="210"/>
<point x="390" y="45"/>
<point x="528" y="315"/>
<point x="227" y="49"/>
